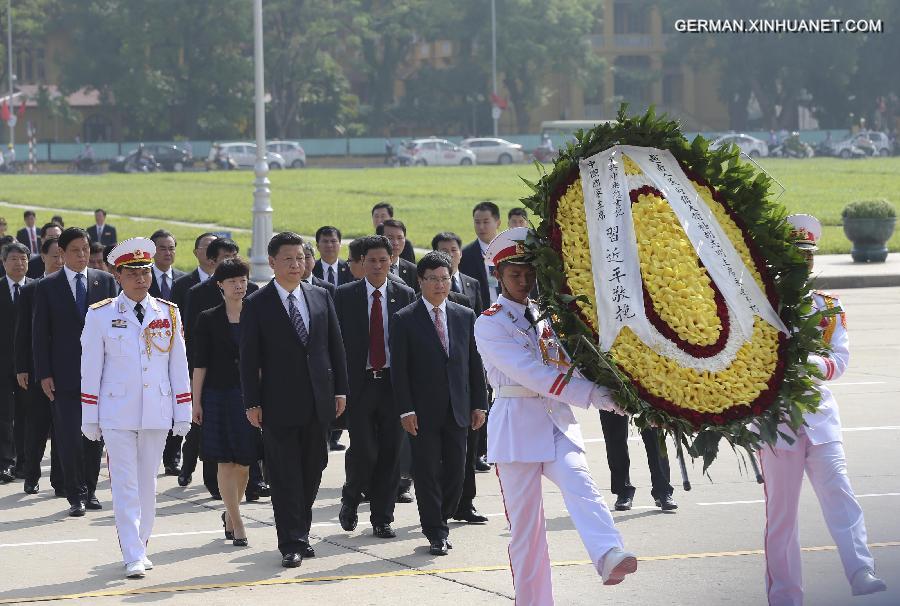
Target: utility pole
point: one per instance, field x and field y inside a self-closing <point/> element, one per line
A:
<point x="262" y="207"/>
<point x="495" y="111"/>
<point x="9" y="52"/>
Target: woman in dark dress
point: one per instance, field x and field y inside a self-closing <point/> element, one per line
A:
<point x="227" y="436"/>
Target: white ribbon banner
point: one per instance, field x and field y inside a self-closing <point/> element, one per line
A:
<point x="614" y="253"/>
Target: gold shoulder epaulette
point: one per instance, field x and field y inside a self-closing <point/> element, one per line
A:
<point x="166" y="302"/>
<point x="99" y="304"/>
<point x="490" y="311"/>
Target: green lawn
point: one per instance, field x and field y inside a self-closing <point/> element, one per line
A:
<point x="427" y="199"/>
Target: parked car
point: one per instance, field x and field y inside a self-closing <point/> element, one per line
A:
<point x="880" y="141"/>
<point x="855" y="146"/>
<point x="170" y="157"/>
<point x="494" y="151"/>
<point x="753" y="147"/>
<point x="291" y="151"/>
<point x="244" y="155"/>
<point x="440" y="152"/>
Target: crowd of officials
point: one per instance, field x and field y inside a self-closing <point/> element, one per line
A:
<point x="353" y="318"/>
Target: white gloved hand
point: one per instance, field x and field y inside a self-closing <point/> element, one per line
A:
<point x="91" y="431"/>
<point x="601" y="399"/>
<point x="181" y="428"/>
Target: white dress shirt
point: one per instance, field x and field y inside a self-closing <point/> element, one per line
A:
<point x="203" y="275"/>
<point x="493" y="283"/>
<point x="158" y="274"/>
<point x="334" y="268"/>
<point x="443" y="308"/>
<point x="70" y="277"/>
<point x="12" y="286"/>
<point x="300" y="302"/>
<point x="33" y="237"/>
<point x="384" y="317"/>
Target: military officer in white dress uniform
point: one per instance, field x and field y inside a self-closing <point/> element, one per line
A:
<point x="532" y="431"/>
<point x="818" y="450"/>
<point x="134" y="386"/>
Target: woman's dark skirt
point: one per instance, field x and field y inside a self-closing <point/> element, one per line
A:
<point x="228" y="437"/>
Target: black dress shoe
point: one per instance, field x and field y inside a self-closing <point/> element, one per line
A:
<point x="481" y="465"/>
<point x="384" y="532"/>
<point x="667" y="503"/>
<point x="291" y="560"/>
<point x="92" y="503"/>
<point x="307" y="551"/>
<point x="438" y="548"/>
<point x="624" y="503"/>
<point x="172" y="471"/>
<point x="262" y="489"/>
<point x="470" y="516"/>
<point x="184" y="479"/>
<point x="348" y="517"/>
<point x="76" y="510"/>
<point x="336" y="446"/>
<point x="7" y="475"/>
<point x="32" y="488"/>
<point x="405" y="497"/>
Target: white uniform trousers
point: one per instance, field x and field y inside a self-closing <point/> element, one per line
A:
<point x="133" y="458"/>
<point x="520" y="486"/>
<point x="826" y="466"/>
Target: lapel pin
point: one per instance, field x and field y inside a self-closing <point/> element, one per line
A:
<point x="96" y="282"/>
<point x="392" y="301"/>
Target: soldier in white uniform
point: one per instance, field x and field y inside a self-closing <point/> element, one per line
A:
<point x="818" y="450"/>
<point x="134" y="384"/>
<point x="532" y="431"/>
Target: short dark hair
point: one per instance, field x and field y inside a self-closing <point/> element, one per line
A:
<point x="354" y="249"/>
<point x="162" y="233"/>
<point x="70" y="234"/>
<point x="96" y="247"/>
<point x="219" y="244"/>
<point x="46" y="243"/>
<point x="30" y="213"/>
<point x="14" y="247"/>
<point x="328" y="230"/>
<point x="488" y="206"/>
<point x="100" y="210"/>
<point x="58" y="219"/>
<point x="285" y="238"/>
<point x="106" y="250"/>
<point x="308" y="248"/>
<point x="47" y="226"/>
<point x="391" y="223"/>
<point x="385" y="205"/>
<point x="7" y="239"/>
<point x="373" y="242"/>
<point x="231" y="268"/>
<point x="432" y="260"/>
<point x="517" y="212"/>
<point x="445" y="236"/>
<point x="205" y="234"/>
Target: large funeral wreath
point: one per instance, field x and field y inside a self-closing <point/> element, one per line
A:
<point x="752" y="384"/>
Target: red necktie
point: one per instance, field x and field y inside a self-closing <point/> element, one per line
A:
<point x="377" y="357"/>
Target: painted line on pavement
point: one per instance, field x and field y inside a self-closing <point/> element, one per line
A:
<point x="881" y="428"/>
<point x="48" y="542"/>
<point x="412" y="572"/>
<point x="857" y="383"/>
<point x="859" y="496"/>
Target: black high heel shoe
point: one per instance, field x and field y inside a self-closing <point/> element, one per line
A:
<point x="229" y="534"/>
<point x="240" y="542"/>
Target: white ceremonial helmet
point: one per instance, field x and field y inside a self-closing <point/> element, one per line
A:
<point x="509" y="247"/>
<point x="133" y="252"/>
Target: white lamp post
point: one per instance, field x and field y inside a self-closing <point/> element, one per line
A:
<point x="495" y="111"/>
<point x="262" y="207"/>
<point x="9" y="49"/>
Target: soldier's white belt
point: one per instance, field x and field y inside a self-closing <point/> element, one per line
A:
<point x="516" y="391"/>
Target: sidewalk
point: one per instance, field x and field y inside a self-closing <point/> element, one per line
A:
<point x="839" y="271"/>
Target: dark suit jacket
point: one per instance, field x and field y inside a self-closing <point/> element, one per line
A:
<point x="472" y="264"/>
<point x="472" y="289"/>
<point x="56" y="326"/>
<point x="352" y="305"/>
<point x="343" y="272"/>
<point x="22" y="236"/>
<point x="287" y="379"/>
<point x="35" y="267"/>
<point x="8" y="320"/>
<point x="215" y="349"/>
<point x="106" y="238"/>
<point x="181" y="287"/>
<point x="323" y="284"/>
<point x="406" y="271"/>
<point x="425" y="379"/>
<point x="154" y="287"/>
<point x="409" y="253"/>
<point x="201" y="297"/>
<point x="24" y="359"/>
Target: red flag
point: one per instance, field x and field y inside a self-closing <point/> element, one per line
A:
<point x="4" y="111"/>
<point x="22" y="109"/>
<point x="498" y="101"/>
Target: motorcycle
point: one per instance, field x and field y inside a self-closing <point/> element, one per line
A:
<point x="543" y="154"/>
<point x="221" y="162"/>
<point x="792" y="147"/>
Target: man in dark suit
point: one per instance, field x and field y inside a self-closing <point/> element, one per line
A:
<point x="60" y="304"/>
<point x="102" y="232"/>
<point x="395" y="231"/>
<point x="486" y="217"/>
<point x="202" y="272"/>
<point x="439" y="388"/>
<point x="294" y="382"/>
<point x="450" y="243"/>
<point x="164" y="274"/>
<point x="308" y="276"/>
<point x="39" y="418"/>
<point x="12" y="396"/>
<point x="329" y="267"/>
<point x="366" y="309"/>
<point x="383" y="211"/>
<point x="36" y="263"/>
<point x="28" y="235"/>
